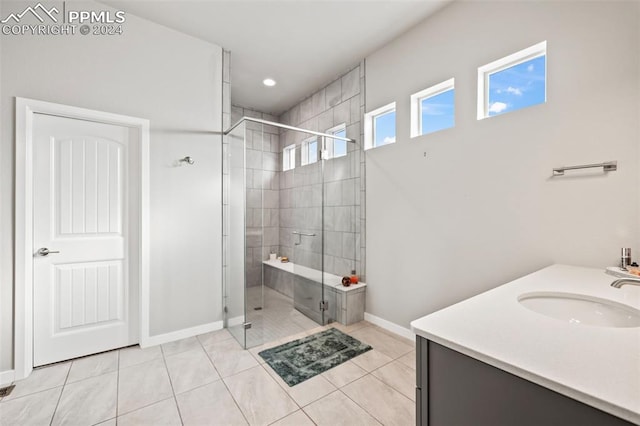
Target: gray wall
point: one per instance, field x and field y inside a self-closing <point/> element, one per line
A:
<point x="263" y="164"/>
<point x="341" y="101"/>
<point x="151" y="72"/>
<point x="481" y="208"/>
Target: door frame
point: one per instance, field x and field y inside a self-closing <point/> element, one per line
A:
<point x="23" y="289"/>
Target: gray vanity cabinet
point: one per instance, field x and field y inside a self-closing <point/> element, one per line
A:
<point x="455" y="389"/>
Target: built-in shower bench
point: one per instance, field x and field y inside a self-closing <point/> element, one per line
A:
<point x="346" y="304"/>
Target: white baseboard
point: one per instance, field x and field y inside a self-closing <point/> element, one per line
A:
<point x="390" y="326"/>
<point x="181" y="334"/>
<point x="7" y="377"/>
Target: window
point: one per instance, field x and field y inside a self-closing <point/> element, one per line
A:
<point x="380" y="126"/>
<point x="514" y="82"/>
<point x="309" y="151"/>
<point x="289" y="158"/>
<point x="433" y="109"/>
<point x="336" y="147"/>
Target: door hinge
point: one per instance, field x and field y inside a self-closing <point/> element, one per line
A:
<point x="225" y="310"/>
<point x="246" y="325"/>
<point x="324" y="305"/>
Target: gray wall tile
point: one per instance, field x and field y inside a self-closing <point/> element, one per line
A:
<point x="351" y="84"/>
<point x="270" y="161"/>
<point x="306" y="109"/>
<point x="271" y="199"/>
<point x="254" y="198"/>
<point x="325" y="121"/>
<point x="295" y="115"/>
<point x="348" y="192"/>
<point x="292" y="200"/>
<point x="318" y="101"/>
<point x="333" y="243"/>
<point x="341" y="113"/>
<point x="354" y="109"/>
<point x="271" y="236"/>
<point x="349" y="245"/>
<point x="333" y="94"/>
<point x="355" y="307"/>
<point x="342" y="266"/>
<point x="333" y="193"/>
<point x="254" y="159"/>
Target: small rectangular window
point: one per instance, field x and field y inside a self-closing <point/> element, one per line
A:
<point x="336" y="147"/>
<point x="433" y="109"/>
<point x="380" y="126"/>
<point x="289" y="158"/>
<point x="513" y="82"/>
<point x="309" y="151"/>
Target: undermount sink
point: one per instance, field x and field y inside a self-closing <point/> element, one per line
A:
<point x="581" y="309"/>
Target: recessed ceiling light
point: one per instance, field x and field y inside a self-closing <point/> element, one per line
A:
<point x="269" y="82"/>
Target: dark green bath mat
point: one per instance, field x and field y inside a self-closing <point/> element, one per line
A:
<point x="304" y="358"/>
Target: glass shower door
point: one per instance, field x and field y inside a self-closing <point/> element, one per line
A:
<point x="340" y="220"/>
<point x="242" y="237"/>
<point x="256" y="234"/>
<point x="234" y="200"/>
<point x="312" y="295"/>
<point x="282" y="196"/>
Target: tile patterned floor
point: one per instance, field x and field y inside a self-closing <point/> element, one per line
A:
<point x="277" y="318"/>
<point x="211" y="380"/>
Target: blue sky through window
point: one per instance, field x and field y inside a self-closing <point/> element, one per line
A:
<point x="437" y="112"/>
<point x="517" y="87"/>
<point x="384" y="128"/>
<point x="313" y="151"/>
<point x="340" y="147"/>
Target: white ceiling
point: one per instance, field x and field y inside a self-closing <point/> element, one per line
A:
<point x="302" y="44"/>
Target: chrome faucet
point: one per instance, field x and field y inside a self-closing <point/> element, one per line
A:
<point x="622" y="281"/>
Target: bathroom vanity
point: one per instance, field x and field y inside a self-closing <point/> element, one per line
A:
<point x="559" y="346"/>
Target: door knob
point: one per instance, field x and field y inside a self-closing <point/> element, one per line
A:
<point x="45" y="251"/>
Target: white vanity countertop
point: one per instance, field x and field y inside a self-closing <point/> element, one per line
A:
<point x="599" y="366"/>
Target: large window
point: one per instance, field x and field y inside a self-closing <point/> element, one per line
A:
<point x="289" y="158"/>
<point x="380" y="126"/>
<point x="433" y="109"/>
<point x="336" y="147"/>
<point x="513" y="82"/>
<point x="309" y="150"/>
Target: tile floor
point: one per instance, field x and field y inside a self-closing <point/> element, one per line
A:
<point x="211" y="380"/>
<point x="277" y="318"/>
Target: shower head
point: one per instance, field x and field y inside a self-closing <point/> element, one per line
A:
<point x="187" y="160"/>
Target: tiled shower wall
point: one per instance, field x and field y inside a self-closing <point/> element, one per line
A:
<point x="278" y="203"/>
<point x="262" y="184"/>
<point x="341" y="101"/>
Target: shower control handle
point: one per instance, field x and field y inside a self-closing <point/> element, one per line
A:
<point x="300" y="235"/>
<point x="303" y="234"/>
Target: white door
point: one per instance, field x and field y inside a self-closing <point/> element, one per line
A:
<point x="86" y="214"/>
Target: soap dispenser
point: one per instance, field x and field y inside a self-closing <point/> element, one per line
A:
<point x="625" y="258"/>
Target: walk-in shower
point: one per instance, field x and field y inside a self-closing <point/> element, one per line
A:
<point x="289" y="193"/>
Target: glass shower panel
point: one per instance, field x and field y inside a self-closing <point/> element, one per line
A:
<point x="309" y="214"/>
<point x="341" y="221"/>
<point x="234" y="177"/>
<point x="257" y="234"/>
<point x="307" y="235"/>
